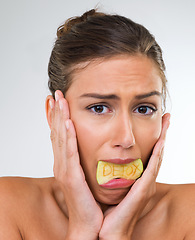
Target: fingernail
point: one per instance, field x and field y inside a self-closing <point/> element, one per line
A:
<point x="67" y="124"/>
<point x="56" y="96"/>
<point x="51" y="104"/>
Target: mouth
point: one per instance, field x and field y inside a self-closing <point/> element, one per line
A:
<point x="114" y="174"/>
<point x="118" y="183"/>
<point x="119" y="160"/>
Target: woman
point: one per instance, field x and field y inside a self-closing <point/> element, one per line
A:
<point x="106" y="74"/>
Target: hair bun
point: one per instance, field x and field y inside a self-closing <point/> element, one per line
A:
<point x="85" y="15"/>
<point x="66" y="27"/>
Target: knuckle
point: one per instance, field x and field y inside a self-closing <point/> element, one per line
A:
<point x="69" y="153"/>
<point x="152" y="173"/>
<point x="158" y="154"/>
<point x="57" y="109"/>
<point x="61" y="142"/>
<point x="53" y="135"/>
<point x="55" y="138"/>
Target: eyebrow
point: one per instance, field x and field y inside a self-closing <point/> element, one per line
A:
<point x="115" y="97"/>
<point x="100" y="96"/>
<point x="150" y="94"/>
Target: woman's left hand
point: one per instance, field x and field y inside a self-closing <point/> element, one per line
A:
<point x="120" y="220"/>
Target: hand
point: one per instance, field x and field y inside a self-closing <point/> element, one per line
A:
<point x="85" y="216"/>
<point x="119" y="221"/>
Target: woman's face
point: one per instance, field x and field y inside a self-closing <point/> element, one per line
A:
<point x="116" y="108"/>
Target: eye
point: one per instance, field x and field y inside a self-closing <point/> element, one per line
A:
<point x="145" y="110"/>
<point x="99" y="109"/>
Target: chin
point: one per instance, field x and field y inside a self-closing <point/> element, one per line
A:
<point x="111" y="196"/>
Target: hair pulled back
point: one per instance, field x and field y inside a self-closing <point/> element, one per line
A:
<point x="96" y="35"/>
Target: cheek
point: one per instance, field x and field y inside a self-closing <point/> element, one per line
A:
<point x="89" y="140"/>
<point x="90" y="135"/>
<point x="85" y="137"/>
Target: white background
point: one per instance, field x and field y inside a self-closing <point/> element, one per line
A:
<point x="27" y="35"/>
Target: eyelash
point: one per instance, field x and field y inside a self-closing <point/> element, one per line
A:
<point x="152" y="109"/>
<point x="91" y="108"/>
<point x="98" y="105"/>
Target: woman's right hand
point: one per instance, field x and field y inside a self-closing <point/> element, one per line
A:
<point x="84" y="215"/>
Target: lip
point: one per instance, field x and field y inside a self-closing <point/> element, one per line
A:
<point x="119" y="160"/>
<point x="118" y="183"/>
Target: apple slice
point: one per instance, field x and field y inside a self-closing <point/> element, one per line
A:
<point x="107" y="171"/>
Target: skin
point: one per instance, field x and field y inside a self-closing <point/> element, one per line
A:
<point x="72" y="204"/>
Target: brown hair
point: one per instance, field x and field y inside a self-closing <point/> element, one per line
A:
<point x="96" y="35"/>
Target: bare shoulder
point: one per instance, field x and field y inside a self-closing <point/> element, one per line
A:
<point x="19" y="198"/>
<point x="182" y="196"/>
<point x="182" y="208"/>
<point x="17" y="190"/>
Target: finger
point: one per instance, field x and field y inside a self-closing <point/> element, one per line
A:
<point x="65" y="113"/>
<point x="59" y="116"/>
<point x="55" y="123"/>
<point x="72" y="149"/>
<point x="61" y="134"/>
<point x="56" y="141"/>
<point x="58" y="131"/>
<point x="159" y="162"/>
<point x="62" y="131"/>
<point x="58" y="95"/>
<point x="74" y="176"/>
<point x="165" y="126"/>
<point x="157" y="154"/>
<point x="63" y="105"/>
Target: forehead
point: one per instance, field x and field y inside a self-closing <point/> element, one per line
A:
<point x="135" y="74"/>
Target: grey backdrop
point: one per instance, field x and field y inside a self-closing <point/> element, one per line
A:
<point x="27" y="35"/>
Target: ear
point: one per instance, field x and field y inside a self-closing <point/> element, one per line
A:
<point x="48" y="110"/>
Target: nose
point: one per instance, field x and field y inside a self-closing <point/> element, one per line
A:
<point x="123" y="132"/>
